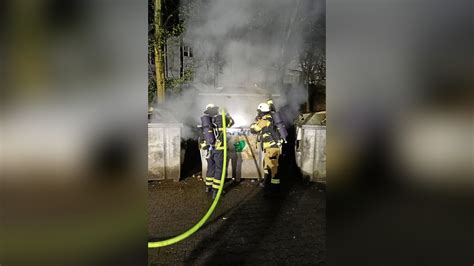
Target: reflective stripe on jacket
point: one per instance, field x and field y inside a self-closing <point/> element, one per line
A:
<point x="264" y="127"/>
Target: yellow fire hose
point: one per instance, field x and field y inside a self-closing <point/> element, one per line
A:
<point x="203" y="220"/>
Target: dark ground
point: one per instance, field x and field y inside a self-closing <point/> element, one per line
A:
<point x="245" y="229"/>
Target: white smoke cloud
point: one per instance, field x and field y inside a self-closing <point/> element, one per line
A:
<point x="239" y="46"/>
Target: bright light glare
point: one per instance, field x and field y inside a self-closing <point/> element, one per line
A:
<point x="239" y="121"/>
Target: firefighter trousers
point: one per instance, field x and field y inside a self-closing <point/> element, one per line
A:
<point x="214" y="168"/>
<point x="270" y="165"/>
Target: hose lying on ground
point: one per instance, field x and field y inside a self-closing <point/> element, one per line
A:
<point x="203" y="220"/>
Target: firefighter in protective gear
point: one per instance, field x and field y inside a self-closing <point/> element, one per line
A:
<point x="271" y="106"/>
<point x="270" y="141"/>
<point x="213" y="142"/>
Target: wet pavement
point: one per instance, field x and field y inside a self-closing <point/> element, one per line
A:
<point x="245" y="229"/>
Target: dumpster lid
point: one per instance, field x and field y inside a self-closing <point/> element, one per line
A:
<point x="313" y="119"/>
<point x="163" y="125"/>
<point x="161" y="116"/>
<point x="314" y="126"/>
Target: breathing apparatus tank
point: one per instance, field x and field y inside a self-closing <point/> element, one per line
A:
<point x="208" y="129"/>
<point x="280" y="125"/>
<point x="277" y="120"/>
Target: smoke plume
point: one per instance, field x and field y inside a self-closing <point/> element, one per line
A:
<point x="245" y="46"/>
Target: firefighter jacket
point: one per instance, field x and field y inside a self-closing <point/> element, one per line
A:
<point x="217" y="130"/>
<point x="203" y="145"/>
<point x="266" y="131"/>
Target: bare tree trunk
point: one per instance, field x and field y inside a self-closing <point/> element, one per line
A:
<point x="27" y="59"/>
<point x="181" y="57"/>
<point x="216" y="68"/>
<point x="309" y="99"/>
<point x="160" y="74"/>
<point x="165" y="49"/>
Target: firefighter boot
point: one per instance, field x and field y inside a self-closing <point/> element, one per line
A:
<point x="214" y="193"/>
<point x="266" y="184"/>
<point x="275" y="191"/>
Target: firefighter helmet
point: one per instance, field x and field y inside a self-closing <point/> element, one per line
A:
<point x="210" y="106"/>
<point x="211" y="109"/>
<point x="263" y="107"/>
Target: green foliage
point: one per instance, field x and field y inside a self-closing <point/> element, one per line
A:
<point x="173" y="14"/>
<point x="151" y="89"/>
<point x="174" y="85"/>
<point x="173" y="24"/>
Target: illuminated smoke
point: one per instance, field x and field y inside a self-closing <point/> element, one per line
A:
<point x="243" y="46"/>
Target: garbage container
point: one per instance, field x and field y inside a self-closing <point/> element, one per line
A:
<point x="244" y="157"/>
<point x="164" y="151"/>
<point x="310" y="148"/>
